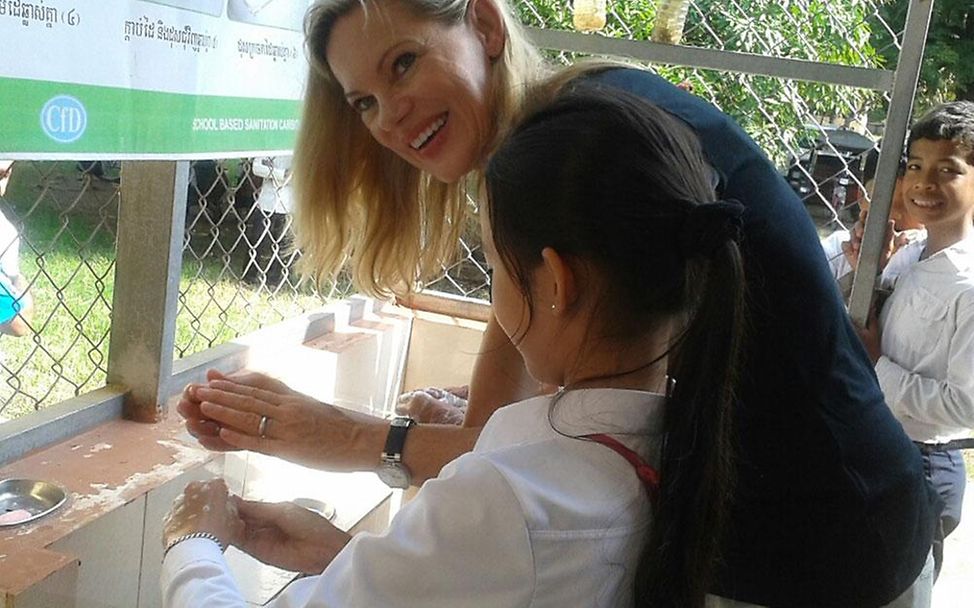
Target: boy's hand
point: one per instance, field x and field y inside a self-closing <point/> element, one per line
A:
<point x="852" y="247"/>
<point x="871" y="336"/>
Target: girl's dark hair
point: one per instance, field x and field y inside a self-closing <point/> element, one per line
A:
<point x="611" y="180"/>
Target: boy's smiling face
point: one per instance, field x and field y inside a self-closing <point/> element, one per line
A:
<point x="939" y="183"/>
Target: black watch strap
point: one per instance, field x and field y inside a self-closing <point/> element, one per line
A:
<point x="396" y="439"/>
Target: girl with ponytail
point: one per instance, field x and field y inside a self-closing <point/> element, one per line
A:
<point x="634" y="323"/>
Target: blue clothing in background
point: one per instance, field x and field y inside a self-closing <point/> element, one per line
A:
<point x="832" y="508"/>
<point x="9" y="304"/>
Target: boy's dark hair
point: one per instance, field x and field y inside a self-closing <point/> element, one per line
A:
<point x="616" y="184"/>
<point x="952" y="121"/>
<point x="872" y="163"/>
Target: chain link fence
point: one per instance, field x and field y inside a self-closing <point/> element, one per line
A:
<point x="824" y="138"/>
<point x="237" y="272"/>
<point x="238" y="266"/>
<point x="65" y="215"/>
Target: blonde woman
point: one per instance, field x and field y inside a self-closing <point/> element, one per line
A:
<point x="405" y="102"/>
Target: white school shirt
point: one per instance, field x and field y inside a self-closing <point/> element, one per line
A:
<point x="832" y="246"/>
<point x="927" y="367"/>
<point x="839" y="265"/>
<point x="529" y="518"/>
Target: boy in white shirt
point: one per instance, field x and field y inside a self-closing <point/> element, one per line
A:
<point x="841" y="247"/>
<point x="923" y="345"/>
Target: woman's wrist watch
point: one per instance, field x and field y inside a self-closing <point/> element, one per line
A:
<point x="391" y="469"/>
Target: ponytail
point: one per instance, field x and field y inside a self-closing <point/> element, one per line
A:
<point x="679" y="559"/>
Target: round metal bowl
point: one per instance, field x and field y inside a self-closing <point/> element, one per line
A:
<point x="24" y="500"/>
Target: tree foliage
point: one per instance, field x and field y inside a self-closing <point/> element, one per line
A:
<point x="948" y="67"/>
<point x="864" y="33"/>
<point x="774" y="111"/>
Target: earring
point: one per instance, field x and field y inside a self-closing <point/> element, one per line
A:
<point x="552" y="307"/>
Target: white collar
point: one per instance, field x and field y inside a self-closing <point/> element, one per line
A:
<point x="609" y="410"/>
<point x="597" y="410"/>
<point x="960" y="254"/>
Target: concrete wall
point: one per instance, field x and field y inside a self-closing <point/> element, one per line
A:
<point x="442" y="351"/>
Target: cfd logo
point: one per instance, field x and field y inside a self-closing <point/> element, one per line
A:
<point x="64" y="119"/>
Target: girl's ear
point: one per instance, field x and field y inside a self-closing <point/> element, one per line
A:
<point x="488" y="21"/>
<point x="559" y="285"/>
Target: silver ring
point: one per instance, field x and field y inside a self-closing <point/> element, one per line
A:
<point x="262" y="427"/>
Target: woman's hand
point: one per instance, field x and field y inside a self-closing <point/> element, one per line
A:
<point x="434" y="405"/>
<point x="207" y="431"/>
<point x="288" y="536"/>
<point x="204" y="506"/>
<point x="297" y="428"/>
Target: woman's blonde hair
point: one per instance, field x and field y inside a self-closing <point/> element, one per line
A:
<point x="358" y="203"/>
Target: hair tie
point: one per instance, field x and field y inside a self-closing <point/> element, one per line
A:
<point x="708" y="226"/>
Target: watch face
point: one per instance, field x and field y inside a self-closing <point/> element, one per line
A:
<point x="393" y="475"/>
<point x="403" y="421"/>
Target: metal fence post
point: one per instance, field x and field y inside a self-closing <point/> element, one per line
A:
<point x="897" y="122"/>
<point x="147" y="270"/>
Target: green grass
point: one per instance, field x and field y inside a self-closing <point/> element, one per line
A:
<point x="215" y="307"/>
<point x="70" y="282"/>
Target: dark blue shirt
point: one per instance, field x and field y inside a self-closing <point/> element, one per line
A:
<point x="832" y="508"/>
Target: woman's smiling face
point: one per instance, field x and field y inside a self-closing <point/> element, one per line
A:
<point x="422" y="87"/>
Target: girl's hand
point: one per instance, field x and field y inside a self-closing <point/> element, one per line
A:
<point x="204" y="506"/>
<point x="298" y="428"/>
<point x="288" y="536"/>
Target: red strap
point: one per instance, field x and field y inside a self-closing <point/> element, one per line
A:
<point x="647" y="474"/>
